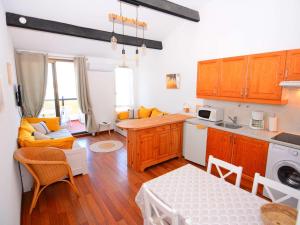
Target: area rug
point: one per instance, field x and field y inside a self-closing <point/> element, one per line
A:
<point x="106" y="146"/>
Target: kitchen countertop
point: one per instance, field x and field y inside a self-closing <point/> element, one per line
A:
<point x="246" y="131"/>
<point x="140" y="124"/>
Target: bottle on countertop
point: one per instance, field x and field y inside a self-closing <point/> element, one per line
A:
<point x="273" y="123"/>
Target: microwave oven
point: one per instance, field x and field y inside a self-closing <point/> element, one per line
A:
<point x="210" y="113"/>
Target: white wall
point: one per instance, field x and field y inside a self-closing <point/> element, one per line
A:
<point x="10" y="194"/>
<point x="101" y="79"/>
<point x="227" y="28"/>
<point x="102" y="93"/>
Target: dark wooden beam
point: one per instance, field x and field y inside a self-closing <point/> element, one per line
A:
<point x="76" y="31"/>
<point x="169" y="8"/>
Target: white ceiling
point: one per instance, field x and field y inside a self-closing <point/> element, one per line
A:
<point x="92" y="14"/>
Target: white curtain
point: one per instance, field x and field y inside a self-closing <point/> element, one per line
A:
<point x="32" y="72"/>
<point x="83" y="94"/>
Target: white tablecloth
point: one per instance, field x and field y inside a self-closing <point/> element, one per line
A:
<point x="204" y="199"/>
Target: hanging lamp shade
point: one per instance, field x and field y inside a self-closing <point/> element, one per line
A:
<point x="113" y="39"/>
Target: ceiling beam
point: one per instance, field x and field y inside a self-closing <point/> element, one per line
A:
<point x="76" y="31"/>
<point x="168" y="7"/>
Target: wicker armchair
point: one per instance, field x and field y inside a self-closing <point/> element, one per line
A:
<point x="47" y="166"/>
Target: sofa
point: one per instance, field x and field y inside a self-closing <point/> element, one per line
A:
<point x="133" y="114"/>
<point x="60" y="138"/>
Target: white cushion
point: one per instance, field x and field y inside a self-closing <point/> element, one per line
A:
<point x="62" y="133"/>
<point x="40" y="136"/>
<point x="41" y="127"/>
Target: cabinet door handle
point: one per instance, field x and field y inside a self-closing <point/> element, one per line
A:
<point x="242" y="92"/>
<point x="246" y="92"/>
<point x="286" y="74"/>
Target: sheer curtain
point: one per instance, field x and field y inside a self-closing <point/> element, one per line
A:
<point x="32" y="71"/>
<point x="124" y="88"/>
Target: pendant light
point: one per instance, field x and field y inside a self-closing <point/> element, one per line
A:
<point x="144" y="47"/>
<point x="123" y="33"/>
<point x="136" y="36"/>
<point x="113" y="39"/>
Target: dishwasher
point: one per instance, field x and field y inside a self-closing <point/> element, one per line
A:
<point x="194" y="142"/>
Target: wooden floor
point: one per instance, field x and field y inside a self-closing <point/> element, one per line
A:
<point x="107" y="192"/>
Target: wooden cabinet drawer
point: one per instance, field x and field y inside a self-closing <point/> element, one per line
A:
<point x="176" y="125"/>
<point x="146" y="131"/>
<point x="163" y="128"/>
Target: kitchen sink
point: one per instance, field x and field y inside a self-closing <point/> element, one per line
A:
<point x="228" y="125"/>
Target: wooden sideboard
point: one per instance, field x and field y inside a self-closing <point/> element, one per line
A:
<point x="153" y="140"/>
<point x="250" y="78"/>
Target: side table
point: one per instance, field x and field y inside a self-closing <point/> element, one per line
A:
<point x="105" y="125"/>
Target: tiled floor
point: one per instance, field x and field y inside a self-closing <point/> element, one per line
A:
<point x="75" y="126"/>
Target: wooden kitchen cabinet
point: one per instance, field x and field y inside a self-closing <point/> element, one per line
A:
<point x="176" y="139"/>
<point x="251" y="78"/>
<point x="232" y="81"/>
<point x="266" y="71"/>
<point x="150" y="146"/>
<point x="146" y="142"/>
<point x="208" y="77"/>
<point x="252" y="155"/>
<point x="292" y="71"/>
<point x="239" y="150"/>
<point x="163" y="137"/>
<point x="219" y="144"/>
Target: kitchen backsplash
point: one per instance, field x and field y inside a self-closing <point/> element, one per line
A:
<point x="288" y="115"/>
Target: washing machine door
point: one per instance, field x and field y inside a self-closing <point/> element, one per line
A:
<point x="288" y="173"/>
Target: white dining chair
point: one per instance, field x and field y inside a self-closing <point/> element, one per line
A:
<point x="232" y="169"/>
<point x="156" y="212"/>
<point x="268" y="184"/>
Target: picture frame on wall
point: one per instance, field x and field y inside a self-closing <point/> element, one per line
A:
<point x="173" y="81"/>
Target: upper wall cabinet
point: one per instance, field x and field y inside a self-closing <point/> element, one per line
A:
<point x="208" y="78"/>
<point x="265" y="72"/>
<point x="232" y="80"/>
<point x="292" y="71"/>
<point x="251" y="78"/>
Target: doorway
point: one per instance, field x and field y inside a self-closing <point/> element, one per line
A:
<point x="61" y="96"/>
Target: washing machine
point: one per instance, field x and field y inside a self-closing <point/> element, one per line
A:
<point x="283" y="165"/>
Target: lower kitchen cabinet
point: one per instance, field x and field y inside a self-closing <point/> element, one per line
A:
<point x="239" y="150"/>
<point x="252" y="155"/>
<point x="147" y="147"/>
<point x="219" y="144"/>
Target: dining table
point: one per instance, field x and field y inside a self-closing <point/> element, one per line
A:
<point x="203" y="199"/>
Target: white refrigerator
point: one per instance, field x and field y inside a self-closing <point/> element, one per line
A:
<point x="194" y="143"/>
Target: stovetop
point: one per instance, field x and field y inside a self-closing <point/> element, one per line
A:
<point x="288" y="138"/>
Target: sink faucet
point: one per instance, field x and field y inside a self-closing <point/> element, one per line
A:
<point x="234" y="119"/>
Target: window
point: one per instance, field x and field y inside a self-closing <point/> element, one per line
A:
<point x="124" y="89"/>
<point x="61" y="96"/>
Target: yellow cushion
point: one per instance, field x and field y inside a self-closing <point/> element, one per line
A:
<point x="156" y="112"/>
<point x="24" y="135"/>
<point x="144" y="112"/>
<point x="26" y="126"/>
<point x="63" y="143"/>
<point x="52" y="123"/>
<point x="123" y="115"/>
